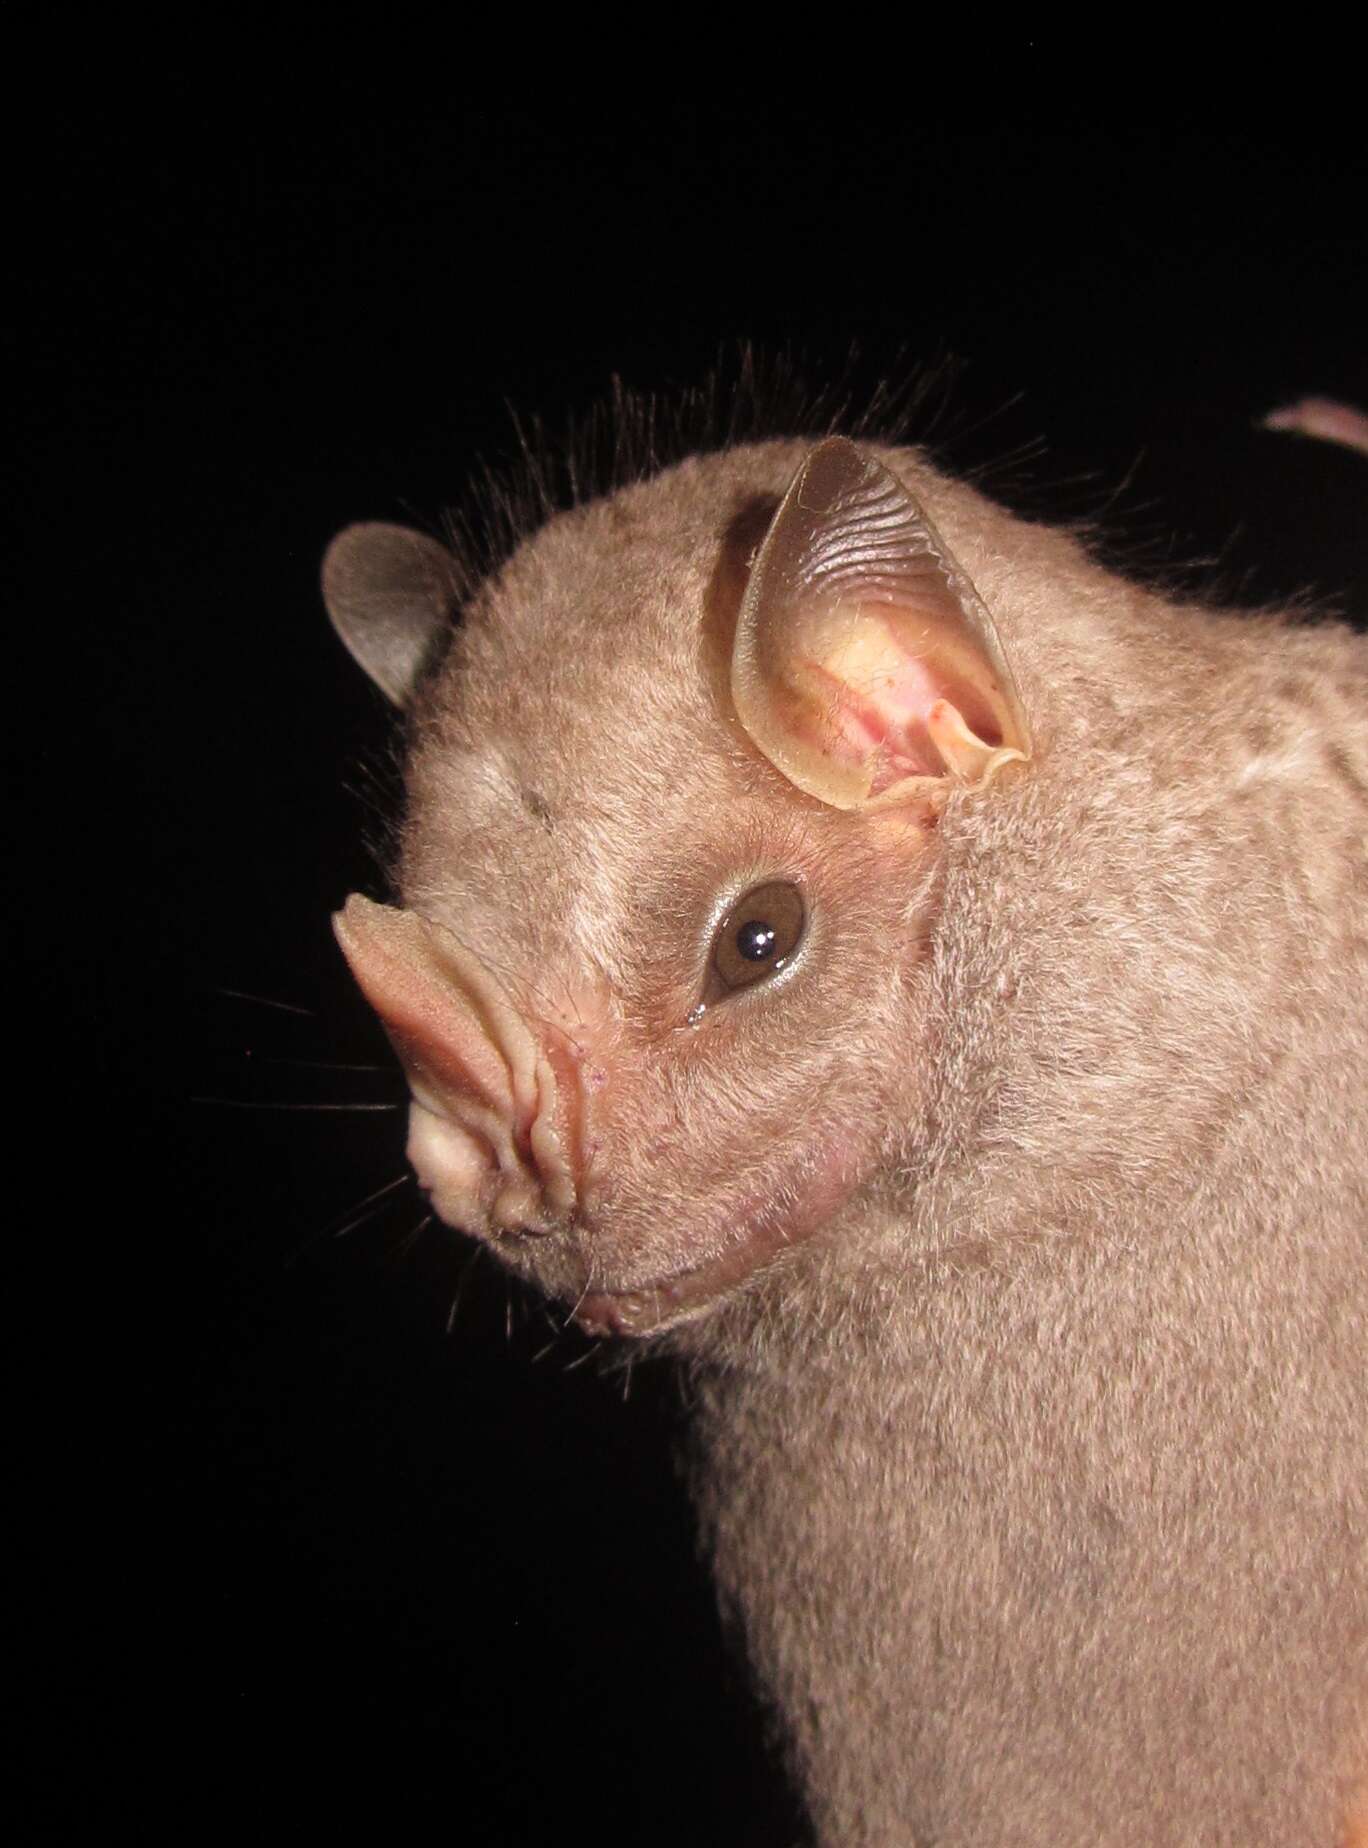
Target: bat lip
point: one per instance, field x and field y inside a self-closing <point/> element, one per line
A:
<point x="647" y="1311"/>
<point x="766" y="1232"/>
<point x="680" y="1296"/>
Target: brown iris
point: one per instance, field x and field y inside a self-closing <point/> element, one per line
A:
<point x="758" y="934"/>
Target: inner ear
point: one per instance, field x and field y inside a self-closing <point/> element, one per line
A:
<point x="865" y="665"/>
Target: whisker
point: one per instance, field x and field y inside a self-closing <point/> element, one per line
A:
<point x="367" y="1208"/>
<point x="588" y="1285"/>
<point x="286" y="1007"/>
<point x="353" y="1216"/>
<point x="410" y="1239"/>
<point x="320" y="1065"/>
<point x="461" y="1281"/>
<point x="242" y="1103"/>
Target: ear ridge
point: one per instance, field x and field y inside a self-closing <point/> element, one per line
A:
<point x="866" y="666"/>
<point x="389" y="593"/>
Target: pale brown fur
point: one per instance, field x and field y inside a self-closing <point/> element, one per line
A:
<point x="1037" y="1479"/>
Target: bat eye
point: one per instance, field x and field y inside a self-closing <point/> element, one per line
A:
<point x="758" y="934"/>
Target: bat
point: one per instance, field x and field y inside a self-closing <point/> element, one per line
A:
<point x="846" y="939"/>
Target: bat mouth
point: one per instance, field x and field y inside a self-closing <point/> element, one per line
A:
<point x="654" y="1307"/>
<point x="761" y="1232"/>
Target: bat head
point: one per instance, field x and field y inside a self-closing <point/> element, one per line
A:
<point x="670" y="866"/>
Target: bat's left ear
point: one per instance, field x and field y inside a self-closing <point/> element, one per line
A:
<point x="866" y="667"/>
<point x="390" y="593"/>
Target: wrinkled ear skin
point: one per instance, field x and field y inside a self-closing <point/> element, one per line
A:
<point x="866" y="666"/>
<point x="390" y="593"/>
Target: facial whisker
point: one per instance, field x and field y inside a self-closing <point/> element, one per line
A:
<point x="286" y="1007"/>
<point x="367" y="1208"/>
<point x="476" y="1254"/>
<point x="321" y="1065"/>
<point x="247" y="1103"/>
<point x="411" y="1238"/>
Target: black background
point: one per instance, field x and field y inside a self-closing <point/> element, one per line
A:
<point x="340" y="1538"/>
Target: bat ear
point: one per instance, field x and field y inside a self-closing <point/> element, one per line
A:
<point x="866" y="667"/>
<point x="390" y="593"/>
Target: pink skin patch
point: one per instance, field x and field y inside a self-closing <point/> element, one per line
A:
<point x="904" y="713"/>
<point x="882" y="722"/>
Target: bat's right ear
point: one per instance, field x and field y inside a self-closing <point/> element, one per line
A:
<point x="866" y="666"/>
<point x="390" y="593"/>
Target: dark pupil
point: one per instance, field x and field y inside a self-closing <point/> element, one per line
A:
<point x="755" y="941"/>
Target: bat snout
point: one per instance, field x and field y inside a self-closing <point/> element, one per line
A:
<point x="495" y="1126"/>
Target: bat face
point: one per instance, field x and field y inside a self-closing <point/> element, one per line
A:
<point x="658" y="980"/>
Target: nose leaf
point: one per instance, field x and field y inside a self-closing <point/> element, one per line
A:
<point x="487" y="1136"/>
